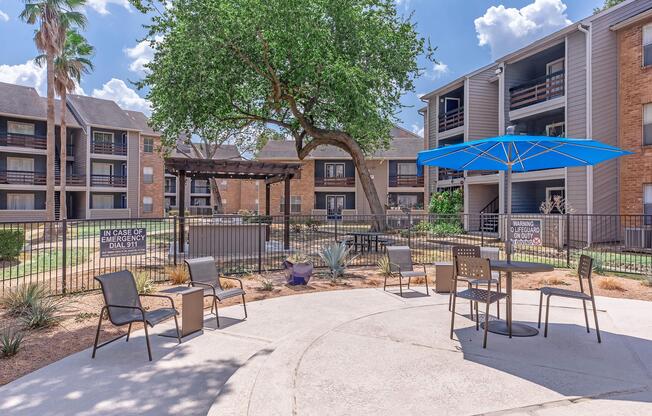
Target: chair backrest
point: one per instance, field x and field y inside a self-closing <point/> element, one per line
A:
<point x="203" y="270"/>
<point x="473" y="268"/>
<point x="466" y="251"/>
<point x="400" y="256"/>
<point x="584" y="271"/>
<point x="119" y="288"/>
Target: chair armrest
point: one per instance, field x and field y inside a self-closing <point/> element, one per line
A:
<point x="233" y="278"/>
<point x="395" y="265"/>
<point x="142" y="311"/>
<point x="203" y="284"/>
<point x="159" y="296"/>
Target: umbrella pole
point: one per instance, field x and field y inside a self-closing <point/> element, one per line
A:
<point x="508" y="198"/>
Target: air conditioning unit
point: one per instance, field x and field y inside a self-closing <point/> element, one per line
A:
<point x="638" y="238"/>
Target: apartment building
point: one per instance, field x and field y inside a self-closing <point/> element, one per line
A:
<point x="635" y="113"/>
<point x="199" y="195"/>
<point x="329" y="184"/>
<point x="111" y="165"/>
<point x="565" y="84"/>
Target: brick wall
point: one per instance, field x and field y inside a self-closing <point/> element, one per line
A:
<point x="304" y="187"/>
<point x="635" y="84"/>
<point x="154" y="190"/>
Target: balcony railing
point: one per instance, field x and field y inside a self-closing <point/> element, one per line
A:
<point x="72" y="179"/>
<point x="451" y="119"/>
<point x="406" y="180"/>
<point x="23" y="140"/>
<point x="109" y="148"/>
<point x="343" y="181"/>
<point x="20" y="177"/>
<point x="108" y="180"/>
<point x="449" y="174"/>
<point x="538" y="90"/>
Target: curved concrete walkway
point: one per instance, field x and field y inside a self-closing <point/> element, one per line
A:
<point x="362" y="352"/>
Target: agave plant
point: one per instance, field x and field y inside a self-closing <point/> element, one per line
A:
<point x="10" y="341"/>
<point x="336" y="257"/>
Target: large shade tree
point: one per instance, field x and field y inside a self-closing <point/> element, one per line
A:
<point x="324" y="72"/>
<point x="52" y="18"/>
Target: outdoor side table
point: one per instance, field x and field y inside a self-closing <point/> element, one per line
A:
<point x="518" y="329"/>
<point x="443" y="276"/>
<point x="192" y="310"/>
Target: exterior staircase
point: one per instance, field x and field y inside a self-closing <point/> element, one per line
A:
<point x="489" y="217"/>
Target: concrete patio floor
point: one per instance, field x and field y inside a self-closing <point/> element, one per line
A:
<point x="362" y="352"/>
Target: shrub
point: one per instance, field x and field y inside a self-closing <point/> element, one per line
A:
<point x="18" y="301"/>
<point x="267" y="285"/>
<point x="10" y="341"/>
<point x="11" y="243"/>
<point x="296" y="227"/>
<point x="313" y="224"/>
<point x="178" y="275"/>
<point x="610" y="283"/>
<point x="440" y="227"/>
<point x="447" y="202"/>
<point x="228" y="283"/>
<point x="336" y="258"/>
<point x="143" y="283"/>
<point x="384" y="266"/>
<point x="42" y="314"/>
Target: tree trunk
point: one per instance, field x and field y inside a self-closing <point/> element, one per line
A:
<point x="377" y="208"/>
<point x="49" y="175"/>
<point x="63" y="208"/>
<point x="218" y="208"/>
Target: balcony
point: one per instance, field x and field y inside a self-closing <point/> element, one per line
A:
<point x="537" y="91"/>
<point x="109" y="180"/>
<point x="72" y="179"/>
<point x="109" y="148"/>
<point x="335" y="182"/>
<point x="449" y="174"/>
<point x="23" y="140"/>
<point x="451" y="119"/>
<point x="406" y="181"/>
<point x="20" y="177"/>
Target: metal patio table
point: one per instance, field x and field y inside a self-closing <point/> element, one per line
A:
<point x="518" y="329"/>
<point x="367" y="238"/>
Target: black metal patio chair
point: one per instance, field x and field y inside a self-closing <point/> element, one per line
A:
<point x="584" y="272"/>
<point x="122" y="303"/>
<point x="203" y="273"/>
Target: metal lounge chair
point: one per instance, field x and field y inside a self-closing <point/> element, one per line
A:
<point x="471" y="268"/>
<point x="122" y="303"/>
<point x="584" y="272"/>
<point x="203" y="273"/>
<point x="474" y="251"/>
<point x="400" y="259"/>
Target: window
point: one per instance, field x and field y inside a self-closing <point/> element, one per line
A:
<point x="102" y="201"/>
<point x="20" y="201"/>
<point x="334" y="170"/>
<point x="407" y="169"/>
<point x="148" y="175"/>
<point x="647" y="45"/>
<point x="407" y="201"/>
<point x="556" y="129"/>
<point x="148" y="145"/>
<point x="102" y="137"/>
<point x="21" y="164"/>
<point x="554" y="192"/>
<point x="102" y="169"/>
<point x="647" y="203"/>
<point x="170" y="201"/>
<point x="148" y="204"/>
<point x="647" y="124"/>
<point x="295" y="204"/>
<point x="20" y="128"/>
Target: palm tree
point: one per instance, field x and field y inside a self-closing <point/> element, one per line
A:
<point x="53" y="18"/>
<point x="69" y="65"/>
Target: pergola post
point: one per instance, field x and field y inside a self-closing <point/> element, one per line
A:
<point x="267" y="209"/>
<point x="181" y="203"/>
<point x="286" y="214"/>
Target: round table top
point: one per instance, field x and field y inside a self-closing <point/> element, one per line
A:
<point x="520" y="266"/>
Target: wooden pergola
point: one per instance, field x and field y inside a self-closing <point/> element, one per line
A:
<point x="270" y="172"/>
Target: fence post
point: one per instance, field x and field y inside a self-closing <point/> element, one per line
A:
<point x="409" y="225"/>
<point x="260" y="245"/>
<point x="175" y="244"/>
<point x="64" y="249"/>
<point x="335" y="222"/>
<point x="568" y="247"/>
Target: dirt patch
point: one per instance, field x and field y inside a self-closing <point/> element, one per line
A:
<point x="76" y="331"/>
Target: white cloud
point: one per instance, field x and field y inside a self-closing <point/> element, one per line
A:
<point x="28" y="74"/>
<point x="100" y="6"/>
<point x="404" y="3"/>
<point x="141" y="55"/>
<point x="506" y="29"/>
<point x="126" y="97"/>
<point x="4" y="17"/>
<point x="439" y="69"/>
<point x="417" y="129"/>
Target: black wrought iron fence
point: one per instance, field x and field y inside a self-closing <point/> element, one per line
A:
<point x="65" y="256"/>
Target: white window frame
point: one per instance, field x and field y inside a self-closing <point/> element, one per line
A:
<point x="100" y="132"/>
<point x="293" y="205"/>
<point x="647" y="28"/>
<point x="29" y="205"/>
<point x="551" y="189"/>
<point x="333" y="196"/>
<point x="643" y="109"/>
<point x="148" y="204"/>
<point x="148" y="175"/>
<point x="145" y="144"/>
<point x="552" y="63"/>
<point x="410" y="164"/>
<point x="335" y="166"/>
<point x="551" y="126"/>
<point x="447" y="99"/>
<point x="11" y="123"/>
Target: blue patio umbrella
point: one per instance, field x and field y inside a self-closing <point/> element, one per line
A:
<point x="519" y="154"/>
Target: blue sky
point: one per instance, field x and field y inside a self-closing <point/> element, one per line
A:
<point x="469" y="34"/>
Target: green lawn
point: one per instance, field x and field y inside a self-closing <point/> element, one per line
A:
<point x="44" y="261"/>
